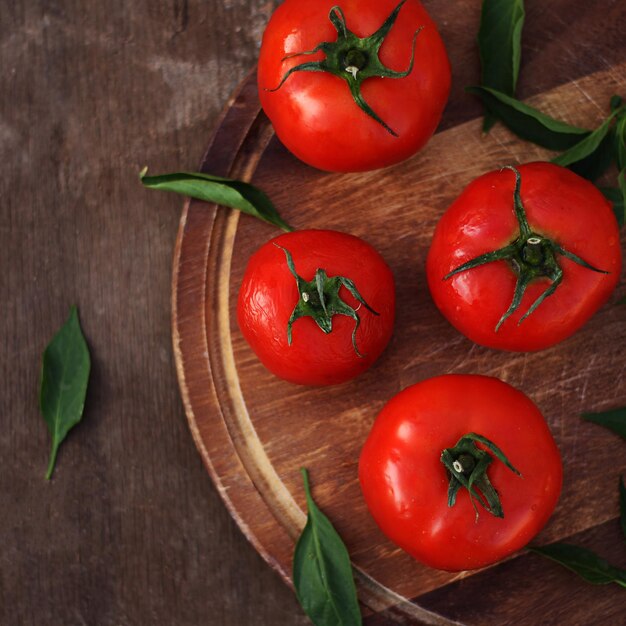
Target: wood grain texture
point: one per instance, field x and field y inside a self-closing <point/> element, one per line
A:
<point x="131" y="531"/>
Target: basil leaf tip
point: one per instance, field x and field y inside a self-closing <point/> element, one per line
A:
<point x="620" y="158"/>
<point x="583" y="562"/>
<point x="620" y="206"/>
<point x="614" y="420"/>
<point x="620" y="142"/>
<point x="322" y="573"/>
<point x="228" y="192"/>
<point x="592" y="155"/>
<point x="64" y="377"/>
<point x="616" y="102"/>
<point x="617" y="199"/>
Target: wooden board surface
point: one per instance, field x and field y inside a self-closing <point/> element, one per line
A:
<point x="254" y="431"/>
<point x="131" y="530"/>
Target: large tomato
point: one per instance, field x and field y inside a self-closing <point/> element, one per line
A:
<point x="545" y="278"/>
<point x="406" y="483"/>
<point x="315" y="114"/>
<point x="284" y="281"/>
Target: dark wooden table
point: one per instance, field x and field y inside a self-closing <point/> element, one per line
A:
<point x="131" y="531"/>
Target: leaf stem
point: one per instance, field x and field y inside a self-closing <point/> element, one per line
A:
<point x="53" y="458"/>
<point x="307" y="486"/>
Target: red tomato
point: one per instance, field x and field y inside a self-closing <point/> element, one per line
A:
<point x="269" y="294"/>
<point x="314" y="113"/>
<point x="565" y="213"/>
<point x="405" y="484"/>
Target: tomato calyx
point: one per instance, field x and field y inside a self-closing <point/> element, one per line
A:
<point x="319" y="299"/>
<point x="467" y="467"/>
<point x="354" y="59"/>
<point x="531" y="256"/>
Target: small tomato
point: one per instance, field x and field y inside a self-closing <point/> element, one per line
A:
<point x="524" y="257"/>
<point x="353" y="85"/>
<point x="317" y="306"/>
<point x="434" y="439"/>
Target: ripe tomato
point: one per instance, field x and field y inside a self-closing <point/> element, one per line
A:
<point x="325" y="348"/>
<point x="566" y="261"/>
<point x="405" y="483"/>
<point x="314" y="112"/>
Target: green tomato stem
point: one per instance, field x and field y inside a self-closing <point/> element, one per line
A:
<point x="353" y="59"/>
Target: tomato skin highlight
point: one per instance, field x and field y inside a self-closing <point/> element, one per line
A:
<point x="561" y="206"/>
<point x="405" y="484"/>
<point x="269" y="293"/>
<point x="314" y="113"/>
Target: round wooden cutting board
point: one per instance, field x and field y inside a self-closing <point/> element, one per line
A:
<point x="254" y="431"/>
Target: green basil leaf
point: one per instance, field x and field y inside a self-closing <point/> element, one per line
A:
<point x="614" y="420"/>
<point x="235" y="194"/>
<point x="322" y="574"/>
<point x="584" y="563"/>
<point x="500" y="46"/>
<point x="594" y="165"/>
<point x="620" y="142"/>
<point x="64" y="378"/>
<point x="622" y="506"/>
<point x="621" y="181"/>
<point x="529" y="123"/>
<point x="616" y="197"/>
<point x="591" y="156"/>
